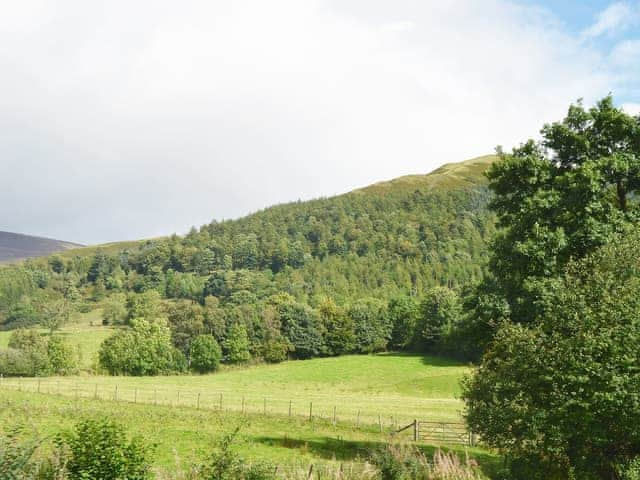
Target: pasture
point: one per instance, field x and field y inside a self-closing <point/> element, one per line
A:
<point x="321" y="411"/>
<point x="184" y="435"/>
<point x="391" y="389"/>
<point x="85" y="332"/>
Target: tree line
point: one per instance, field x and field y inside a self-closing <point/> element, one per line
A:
<point x="349" y="274"/>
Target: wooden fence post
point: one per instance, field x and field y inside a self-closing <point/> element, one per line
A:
<point x="198" y="402"/>
<point x="358" y="420"/>
<point x="380" y="422"/>
<point x="311" y="412"/>
<point x="289" y="408"/>
<point x="416" y="430"/>
<point x="115" y="393"/>
<point x="334" y="415"/>
<point x="220" y="402"/>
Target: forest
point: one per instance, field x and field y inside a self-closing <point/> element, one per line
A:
<point x="375" y="269"/>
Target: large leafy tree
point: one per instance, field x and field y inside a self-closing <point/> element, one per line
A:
<point x="562" y="197"/>
<point x="562" y="397"/>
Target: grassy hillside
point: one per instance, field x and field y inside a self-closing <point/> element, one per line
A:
<point x="15" y="246"/>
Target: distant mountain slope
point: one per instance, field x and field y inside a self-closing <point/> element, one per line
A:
<point x="16" y="246"/>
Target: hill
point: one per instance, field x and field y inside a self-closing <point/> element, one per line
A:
<point x="16" y="246"/>
<point x="288" y="273"/>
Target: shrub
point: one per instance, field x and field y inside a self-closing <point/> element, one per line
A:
<point x="62" y="357"/>
<point x="15" y="363"/>
<point x="205" y="354"/>
<point x="226" y="464"/>
<point x="99" y="449"/>
<point x="630" y="470"/>
<point x="33" y="346"/>
<point x="145" y="349"/>
<point x="114" y="309"/>
<point x="403" y="462"/>
<point x="16" y="457"/>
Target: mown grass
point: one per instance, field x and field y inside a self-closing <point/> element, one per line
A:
<point x="184" y="435"/>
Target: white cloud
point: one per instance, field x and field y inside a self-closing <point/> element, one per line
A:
<point x="615" y="18"/>
<point x="626" y="54"/>
<point x="631" y="108"/>
<point x="132" y="119"/>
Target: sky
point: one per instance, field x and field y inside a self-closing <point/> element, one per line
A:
<point x="125" y="120"/>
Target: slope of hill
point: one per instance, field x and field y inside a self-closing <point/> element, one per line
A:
<point x="16" y="246"/>
<point x="355" y="252"/>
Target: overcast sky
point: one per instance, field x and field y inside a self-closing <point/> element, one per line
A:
<point x="131" y="119"/>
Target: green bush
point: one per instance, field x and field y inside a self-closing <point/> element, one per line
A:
<point x="114" y="309"/>
<point x="630" y="470"/>
<point x="15" y="363"/>
<point x="145" y="349"/>
<point x="34" y="347"/>
<point x="205" y="354"/>
<point x="16" y="457"/>
<point x="226" y="464"/>
<point x="98" y="449"/>
<point x="32" y="354"/>
<point x="62" y="356"/>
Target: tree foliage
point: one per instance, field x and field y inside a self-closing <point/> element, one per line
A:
<point x="563" y="397"/>
<point x="562" y="198"/>
<point x="205" y="354"/>
<point x="557" y="388"/>
<point x="144" y="349"/>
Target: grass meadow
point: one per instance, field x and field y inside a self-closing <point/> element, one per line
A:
<point x="357" y="389"/>
<point x="85" y="331"/>
<point x="295" y="413"/>
<point x="184" y="435"/>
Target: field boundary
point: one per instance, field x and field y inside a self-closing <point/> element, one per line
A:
<point x="209" y="400"/>
<point x="450" y="433"/>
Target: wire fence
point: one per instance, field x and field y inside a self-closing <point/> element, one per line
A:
<point x="342" y="411"/>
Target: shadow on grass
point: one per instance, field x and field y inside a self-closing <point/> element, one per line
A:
<point x="359" y="450"/>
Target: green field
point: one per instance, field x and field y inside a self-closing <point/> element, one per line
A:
<point x="85" y="331"/>
<point x="294" y="413"/>
<point x="185" y="435"/>
<point x="368" y="389"/>
<point x="388" y="388"/>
